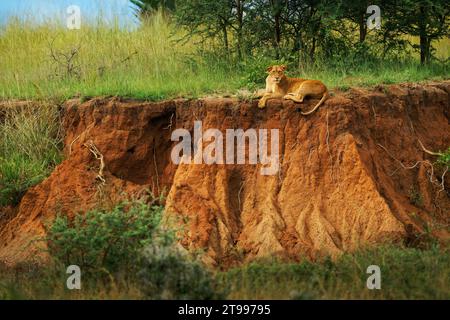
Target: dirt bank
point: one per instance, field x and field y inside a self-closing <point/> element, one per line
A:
<point x="340" y="183"/>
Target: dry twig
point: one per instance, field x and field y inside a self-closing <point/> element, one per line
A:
<point x="99" y="156"/>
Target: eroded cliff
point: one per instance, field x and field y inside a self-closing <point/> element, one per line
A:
<point x="344" y="178"/>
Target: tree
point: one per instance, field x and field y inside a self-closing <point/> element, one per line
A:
<point x="144" y="8"/>
<point x="426" y="19"/>
<point x="303" y="20"/>
<point x="265" y="23"/>
<point x="240" y="5"/>
<point x="354" y="11"/>
<point x="207" y="19"/>
<point x="277" y="7"/>
<point x="308" y="27"/>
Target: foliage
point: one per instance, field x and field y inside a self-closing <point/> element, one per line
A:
<point x="405" y="274"/>
<point x="113" y="60"/>
<point x="300" y="27"/>
<point x="254" y="70"/>
<point x="144" y="8"/>
<point x="415" y="197"/>
<point x="30" y="146"/>
<point x="170" y="273"/>
<point x="444" y="158"/>
<point x="426" y="19"/>
<point x="128" y="243"/>
<point x="106" y="241"/>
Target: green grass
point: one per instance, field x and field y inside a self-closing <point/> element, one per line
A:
<point x="149" y="63"/>
<point x="29" y="148"/>
<point x="127" y="253"/>
<point x="406" y="273"/>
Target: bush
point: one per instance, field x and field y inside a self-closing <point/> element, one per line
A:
<point x="254" y="71"/>
<point x="106" y="241"/>
<point x="169" y="273"/>
<point x="415" y="197"/>
<point x="129" y="244"/>
<point x="444" y="158"/>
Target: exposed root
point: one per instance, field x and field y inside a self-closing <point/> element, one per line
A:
<point x="329" y="150"/>
<point x="156" y="171"/>
<point x="437" y="154"/>
<point x="374" y="112"/>
<point x="426" y="162"/>
<point x="99" y="156"/>
<point x="83" y="134"/>
<point x="428" y="151"/>
<point x="169" y="126"/>
<point x="239" y="195"/>
<point x="443" y="179"/>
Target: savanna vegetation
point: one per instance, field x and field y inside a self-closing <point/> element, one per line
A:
<point x="194" y="48"/>
<point x="30" y="144"/>
<point x="201" y="47"/>
<point x="128" y="253"/>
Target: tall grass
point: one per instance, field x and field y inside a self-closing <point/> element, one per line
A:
<point x="29" y="147"/>
<point x="148" y="62"/>
<point x="406" y="273"/>
<point x="108" y="60"/>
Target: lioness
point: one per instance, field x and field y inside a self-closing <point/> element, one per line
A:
<point x="295" y="89"/>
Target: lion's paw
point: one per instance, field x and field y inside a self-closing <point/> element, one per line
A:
<point x="261" y="104"/>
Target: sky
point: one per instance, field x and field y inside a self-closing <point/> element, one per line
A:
<point x="40" y="10"/>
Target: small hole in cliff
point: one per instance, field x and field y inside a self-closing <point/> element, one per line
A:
<point x="131" y="150"/>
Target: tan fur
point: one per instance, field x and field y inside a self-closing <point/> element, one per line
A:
<point x="295" y="89"/>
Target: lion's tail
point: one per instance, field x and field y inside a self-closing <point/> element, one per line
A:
<point x="324" y="97"/>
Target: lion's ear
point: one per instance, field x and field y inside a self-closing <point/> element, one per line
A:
<point x="283" y="67"/>
<point x="269" y="69"/>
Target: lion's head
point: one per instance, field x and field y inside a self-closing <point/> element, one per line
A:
<point x="276" y="73"/>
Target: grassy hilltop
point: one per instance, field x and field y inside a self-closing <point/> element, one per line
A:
<point x="151" y="62"/>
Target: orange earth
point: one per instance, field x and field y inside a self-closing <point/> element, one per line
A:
<point x="341" y="183"/>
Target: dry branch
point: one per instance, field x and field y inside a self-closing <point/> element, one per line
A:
<point x="99" y="156"/>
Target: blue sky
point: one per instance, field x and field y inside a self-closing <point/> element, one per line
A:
<point x="40" y="10"/>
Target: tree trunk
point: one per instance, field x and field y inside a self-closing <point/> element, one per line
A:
<point x="313" y="50"/>
<point x="225" y="38"/>
<point x="362" y="28"/>
<point x="297" y="46"/>
<point x="277" y="33"/>
<point x="424" y="49"/>
<point x="240" y="20"/>
<point x="424" y="39"/>
<point x="276" y="9"/>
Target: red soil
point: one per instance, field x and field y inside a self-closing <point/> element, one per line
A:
<point x="339" y="186"/>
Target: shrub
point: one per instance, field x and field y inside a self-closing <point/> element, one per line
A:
<point x="415" y="198"/>
<point x="106" y="241"/>
<point x="169" y="273"/>
<point x="444" y="158"/>
<point x="129" y="244"/>
<point x="254" y="71"/>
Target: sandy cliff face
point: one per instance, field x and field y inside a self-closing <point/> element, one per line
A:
<point x="340" y="184"/>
